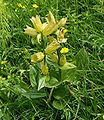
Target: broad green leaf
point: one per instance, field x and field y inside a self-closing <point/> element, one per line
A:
<point x="82" y="59"/>
<point x="30" y="93"/>
<point x="24" y="85"/>
<point x="41" y="82"/>
<point x="60" y="92"/>
<point x="34" y="95"/>
<point x="58" y="104"/>
<point x="67" y="72"/>
<point x="51" y="82"/>
<point x="32" y="75"/>
<point x="67" y="66"/>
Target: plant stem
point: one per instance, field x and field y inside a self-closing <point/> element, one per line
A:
<point x="43" y="45"/>
<point x="50" y="95"/>
<point x="58" y="53"/>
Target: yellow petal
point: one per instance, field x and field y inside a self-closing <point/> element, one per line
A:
<point x="44" y="25"/>
<point x="19" y="5"/>
<point x="44" y="68"/>
<point x="51" y="18"/>
<point x="52" y="47"/>
<point x="36" y="57"/>
<point x="62" y="22"/>
<point x="37" y="23"/>
<point x="65" y="30"/>
<point x="64" y="50"/>
<point x="30" y="31"/>
<point x="23" y="7"/>
<point x="3" y="62"/>
<point x="49" y="29"/>
<point x="35" y="5"/>
<point x="103" y="117"/>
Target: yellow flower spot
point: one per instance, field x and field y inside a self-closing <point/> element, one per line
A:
<point x="65" y="30"/>
<point x="35" y="5"/>
<point x="23" y="7"/>
<point x="64" y="50"/>
<point x="103" y="116"/>
<point x="19" y="5"/>
<point x="3" y="62"/>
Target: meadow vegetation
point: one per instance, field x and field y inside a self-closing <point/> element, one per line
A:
<point x="79" y="93"/>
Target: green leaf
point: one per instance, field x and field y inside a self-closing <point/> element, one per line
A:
<point x="60" y="92"/>
<point x="1" y="114"/>
<point x="67" y="66"/>
<point x="68" y="72"/>
<point x="30" y="93"/>
<point x="41" y="82"/>
<point x="33" y="94"/>
<point x="58" y="104"/>
<point x="82" y="59"/>
<point x="32" y="75"/>
<point x="51" y="82"/>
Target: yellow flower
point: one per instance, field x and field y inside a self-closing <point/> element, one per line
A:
<point x="103" y="116"/>
<point x="23" y="7"/>
<point x="3" y="62"/>
<point x="44" y="68"/>
<point x="52" y="47"/>
<point x="19" y="5"/>
<point x="64" y="50"/>
<point x="37" y="23"/>
<point x="35" y="5"/>
<point x="30" y="31"/>
<point x="36" y="57"/>
<point x="52" y="24"/>
<point x="49" y="27"/>
<point x="65" y="30"/>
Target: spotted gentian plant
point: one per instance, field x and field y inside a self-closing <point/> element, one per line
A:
<point x="49" y="62"/>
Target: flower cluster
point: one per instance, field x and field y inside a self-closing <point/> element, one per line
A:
<point x="54" y="44"/>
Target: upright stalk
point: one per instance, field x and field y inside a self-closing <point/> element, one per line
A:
<point x="58" y="53"/>
<point x="43" y="45"/>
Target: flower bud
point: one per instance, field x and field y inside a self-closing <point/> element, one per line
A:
<point x="54" y="58"/>
<point x="52" y="47"/>
<point x="62" y="60"/>
<point x="30" y="31"/>
<point x="44" y="68"/>
<point x="37" y="57"/>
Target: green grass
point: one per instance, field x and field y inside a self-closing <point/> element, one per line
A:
<point x="85" y="35"/>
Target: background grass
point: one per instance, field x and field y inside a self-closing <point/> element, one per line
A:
<point x="85" y="35"/>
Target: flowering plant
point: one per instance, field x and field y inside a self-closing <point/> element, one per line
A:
<point x="50" y="63"/>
